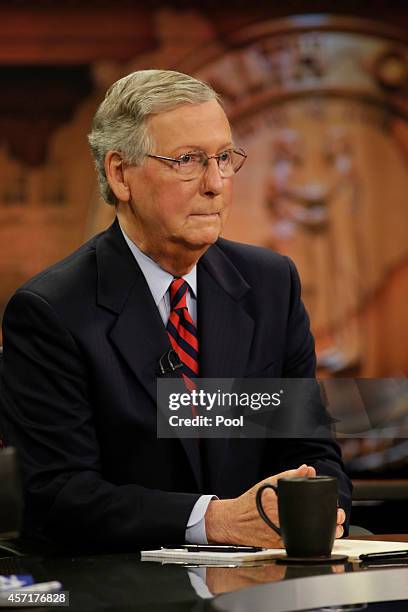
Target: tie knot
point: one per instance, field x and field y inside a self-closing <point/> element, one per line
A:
<point x="178" y="293"/>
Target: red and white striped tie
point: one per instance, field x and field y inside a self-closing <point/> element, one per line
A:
<point x="182" y="332"/>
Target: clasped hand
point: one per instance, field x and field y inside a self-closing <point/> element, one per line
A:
<point x="236" y="521"/>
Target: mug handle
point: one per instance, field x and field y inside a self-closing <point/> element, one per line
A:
<point x="260" y="507"/>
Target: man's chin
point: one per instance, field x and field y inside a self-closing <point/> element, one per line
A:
<point x="201" y="241"/>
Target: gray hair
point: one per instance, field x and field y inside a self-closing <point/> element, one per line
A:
<point x="120" y="123"/>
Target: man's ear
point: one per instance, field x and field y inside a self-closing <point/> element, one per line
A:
<point x="114" y="170"/>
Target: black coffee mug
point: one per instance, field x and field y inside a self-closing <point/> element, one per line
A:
<point x="307" y="514"/>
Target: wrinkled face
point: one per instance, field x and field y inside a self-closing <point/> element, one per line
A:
<point x="169" y="212"/>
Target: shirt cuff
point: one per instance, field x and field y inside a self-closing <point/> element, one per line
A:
<point x="195" y="532"/>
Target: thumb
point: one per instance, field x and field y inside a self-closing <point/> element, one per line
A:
<point x="302" y="470"/>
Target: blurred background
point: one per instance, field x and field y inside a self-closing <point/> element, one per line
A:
<point x="317" y="93"/>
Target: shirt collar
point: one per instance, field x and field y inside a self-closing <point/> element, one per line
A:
<point x="158" y="279"/>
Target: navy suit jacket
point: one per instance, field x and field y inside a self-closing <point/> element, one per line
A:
<point x="82" y="341"/>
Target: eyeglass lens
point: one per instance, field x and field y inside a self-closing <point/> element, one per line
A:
<point x="228" y="162"/>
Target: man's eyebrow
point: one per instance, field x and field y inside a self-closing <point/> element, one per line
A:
<point x="192" y="149"/>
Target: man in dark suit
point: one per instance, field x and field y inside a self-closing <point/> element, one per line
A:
<point x="83" y="340"/>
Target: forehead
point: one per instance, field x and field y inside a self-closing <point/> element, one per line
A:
<point x="204" y="126"/>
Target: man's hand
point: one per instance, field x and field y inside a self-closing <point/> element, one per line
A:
<point x="236" y="521"/>
<point x="341" y="517"/>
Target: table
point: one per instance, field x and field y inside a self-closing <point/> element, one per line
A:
<point x="121" y="582"/>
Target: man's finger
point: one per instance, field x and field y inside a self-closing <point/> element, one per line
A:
<point x="341" y="516"/>
<point x="302" y="470"/>
<point x="311" y="472"/>
<point x="339" y="531"/>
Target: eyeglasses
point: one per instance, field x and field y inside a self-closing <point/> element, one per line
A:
<point x="191" y="165"/>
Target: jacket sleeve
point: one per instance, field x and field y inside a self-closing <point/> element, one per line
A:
<point x="49" y="417"/>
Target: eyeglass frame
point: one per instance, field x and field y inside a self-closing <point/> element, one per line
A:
<point x="206" y="158"/>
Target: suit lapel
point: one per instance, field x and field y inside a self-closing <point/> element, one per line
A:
<point x="138" y="333"/>
<point x="224" y="326"/>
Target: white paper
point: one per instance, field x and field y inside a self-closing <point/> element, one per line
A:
<point x="351" y="548"/>
<point x="354" y="548"/>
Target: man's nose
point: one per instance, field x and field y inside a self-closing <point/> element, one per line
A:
<point x="212" y="181"/>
